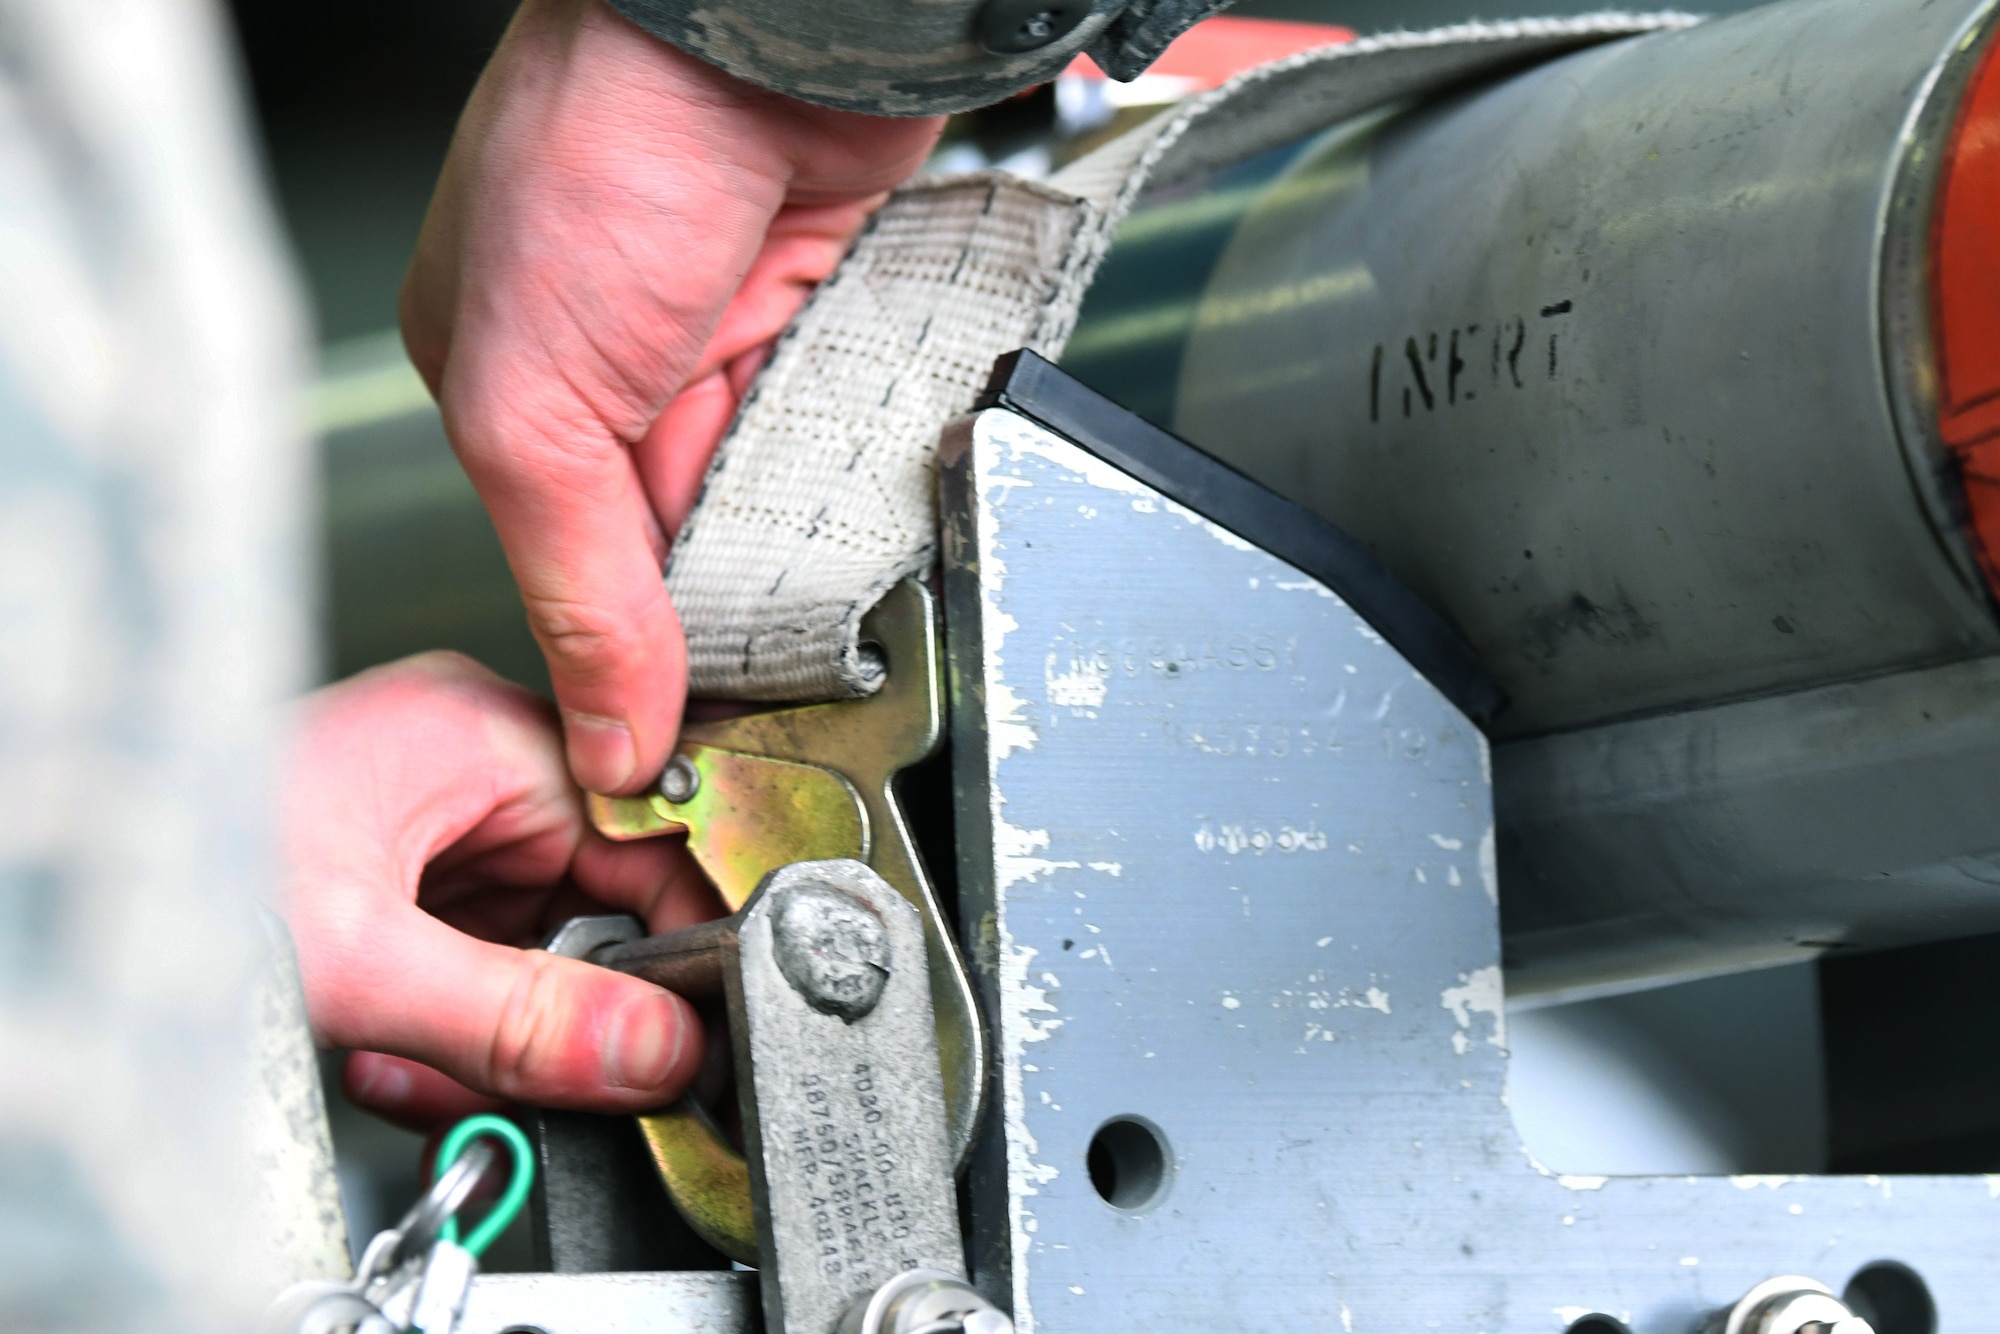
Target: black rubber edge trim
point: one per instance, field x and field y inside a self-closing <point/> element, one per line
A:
<point x="1025" y="383"/>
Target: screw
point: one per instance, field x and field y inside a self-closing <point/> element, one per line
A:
<point x="680" y="780"/>
<point x="833" y="949"/>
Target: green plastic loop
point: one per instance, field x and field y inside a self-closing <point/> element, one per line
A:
<point x="516" y="1195"/>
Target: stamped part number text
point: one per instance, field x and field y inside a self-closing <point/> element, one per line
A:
<point x="846" y="1160"/>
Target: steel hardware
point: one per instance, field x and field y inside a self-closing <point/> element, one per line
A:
<point x="843" y="1108"/>
<point x="680" y="780"/>
<point x="924" y="1301"/>
<point x="712" y="1303"/>
<point x="793" y="785"/>
<point x="847" y="1175"/>
<point x="447" y="1281"/>
<point x="405" y="1273"/>
<point x="705" y="1177"/>
<point x="743" y="814"/>
<point x="834" y="952"/>
<point x="1788" y="1304"/>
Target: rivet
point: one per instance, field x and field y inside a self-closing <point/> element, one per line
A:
<point x="680" y="781"/>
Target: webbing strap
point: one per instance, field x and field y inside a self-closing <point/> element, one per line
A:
<point x="823" y="495"/>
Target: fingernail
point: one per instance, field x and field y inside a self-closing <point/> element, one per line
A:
<point x="644" y="1043"/>
<point x="601" y="752"/>
<point x="383" y="1083"/>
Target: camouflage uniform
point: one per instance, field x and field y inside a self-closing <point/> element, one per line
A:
<point x="916" y="57"/>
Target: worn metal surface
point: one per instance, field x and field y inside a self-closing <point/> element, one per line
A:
<point x="865" y="743"/>
<point x="833" y="950"/>
<point x="1228" y="874"/>
<point x="285" y="1143"/>
<point x="611" y="1304"/>
<point x="843" y="1119"/>
<point x="1760" y="832"/>
<point x="1593" y="358"/>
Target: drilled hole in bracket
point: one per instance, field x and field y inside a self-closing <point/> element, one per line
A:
<point x="1598" y="1323"/>
<point x="1129" y="1163"/>
<point x="1892" y="1299"/>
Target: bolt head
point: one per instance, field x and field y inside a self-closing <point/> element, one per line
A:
<point x="833" y="949"/>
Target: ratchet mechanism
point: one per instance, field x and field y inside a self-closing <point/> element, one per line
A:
<point x="760" y="793"/>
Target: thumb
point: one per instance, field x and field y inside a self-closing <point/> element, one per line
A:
<point x="524" y="1025"/>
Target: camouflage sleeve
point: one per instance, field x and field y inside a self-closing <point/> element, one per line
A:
<point x="915" y="57"/>
<point x="155" y="604"/>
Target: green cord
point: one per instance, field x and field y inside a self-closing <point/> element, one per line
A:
<point x="503" y="1213"/>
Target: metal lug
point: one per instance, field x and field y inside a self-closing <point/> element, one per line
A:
<point x="843" y="1108"/>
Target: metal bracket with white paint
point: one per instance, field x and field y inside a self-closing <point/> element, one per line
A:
<point x="1227" y="882"/>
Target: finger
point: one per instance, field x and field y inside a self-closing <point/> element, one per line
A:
<point x="605" y="198"/>
<point x="586" y="550"/>
<point x="430" y="767"/>
<point x="803" y="248"/>
<point x="673" y="456"/>
<point x="523" y="1025"/>
<point x="613" y="231"/>
<point x="407" y="1094"/>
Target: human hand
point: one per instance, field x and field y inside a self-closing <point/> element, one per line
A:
<point x="619" y="233"/>
<point x="432" y="836"/>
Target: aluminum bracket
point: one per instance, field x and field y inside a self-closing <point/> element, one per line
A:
<point x="1227" y="882"/>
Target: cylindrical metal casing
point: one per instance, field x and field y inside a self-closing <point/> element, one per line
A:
<point x="1626" y="363"/>
<point x="1608" y="360"/>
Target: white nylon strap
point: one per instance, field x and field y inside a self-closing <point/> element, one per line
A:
<point x="823" y="495"/>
